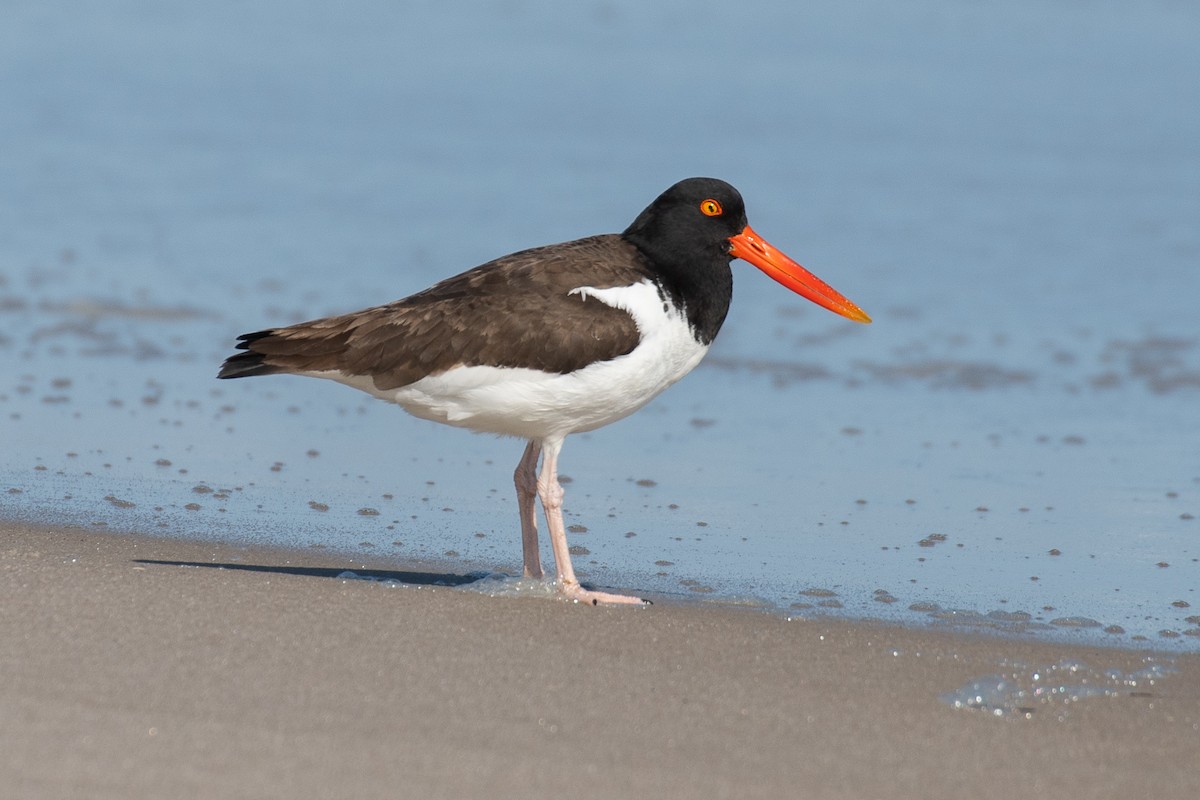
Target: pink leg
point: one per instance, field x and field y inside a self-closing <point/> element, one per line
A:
<point x="525" y="478"/>
<point x="551" y="493"/>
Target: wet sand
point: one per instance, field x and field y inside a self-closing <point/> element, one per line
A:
<point x="125" y="678"/>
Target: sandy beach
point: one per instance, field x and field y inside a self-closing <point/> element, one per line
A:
<point x="127" y="674"/>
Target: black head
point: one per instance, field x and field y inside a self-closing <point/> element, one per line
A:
<point x="690" y="223"/>
<point x="684" y="234"/>
<point x="691" y="233"/>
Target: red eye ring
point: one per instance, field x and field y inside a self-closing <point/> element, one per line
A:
<point x="711" y="208"/>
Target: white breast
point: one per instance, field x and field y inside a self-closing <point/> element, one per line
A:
<point x="535" y="404"/>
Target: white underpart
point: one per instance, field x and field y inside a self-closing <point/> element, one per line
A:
<point x="539" y="405"/>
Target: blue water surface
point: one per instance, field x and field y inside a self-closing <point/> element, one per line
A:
<point x="1012" y="192"/>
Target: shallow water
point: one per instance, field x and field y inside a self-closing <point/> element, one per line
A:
<point x="1022" y="690"/>
<point x="1011" y="193"/>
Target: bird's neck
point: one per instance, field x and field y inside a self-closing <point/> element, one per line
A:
<point x="700" y="285"/>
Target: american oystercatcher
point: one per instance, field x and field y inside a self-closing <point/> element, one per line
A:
<point x="550" y="341"/>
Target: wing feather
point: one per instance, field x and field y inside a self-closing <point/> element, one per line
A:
<point x="516" y="311"/>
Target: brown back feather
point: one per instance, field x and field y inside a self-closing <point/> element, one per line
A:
<point x="516" y="311"/>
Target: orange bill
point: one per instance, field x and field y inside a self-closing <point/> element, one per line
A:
<point x="749" y="246"/>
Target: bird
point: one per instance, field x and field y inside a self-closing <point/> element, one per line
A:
<point x="550" y="341"/>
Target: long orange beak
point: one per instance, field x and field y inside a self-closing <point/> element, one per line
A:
<point x="749" y="246"/>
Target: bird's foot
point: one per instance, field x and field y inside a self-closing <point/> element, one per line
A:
<point x="577" y="594"/>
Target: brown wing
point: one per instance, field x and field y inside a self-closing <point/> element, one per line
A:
<point x="516" y="311"/>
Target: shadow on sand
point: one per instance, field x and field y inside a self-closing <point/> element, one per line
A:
<point x="414" y="578"/>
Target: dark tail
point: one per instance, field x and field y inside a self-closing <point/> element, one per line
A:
<point x="248" y="364"/>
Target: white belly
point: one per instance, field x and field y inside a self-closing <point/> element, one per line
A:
<point x="535" y="405"/>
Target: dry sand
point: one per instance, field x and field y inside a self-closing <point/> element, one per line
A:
<point x="124" y="679"/>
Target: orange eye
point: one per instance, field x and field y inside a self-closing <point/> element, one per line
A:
<point x="710" y="208"/>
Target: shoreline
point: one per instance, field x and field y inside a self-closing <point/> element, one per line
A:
<point x="410" y="568"/>
<point x="129" y="671"/>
